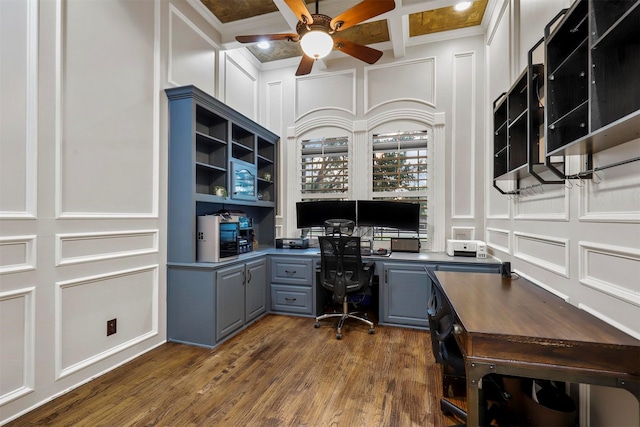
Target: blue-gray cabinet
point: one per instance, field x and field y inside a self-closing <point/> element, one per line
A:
<point x="207" y="304"/>
<point x="405" y="288"/>
<point x="218" y="160"/>
<point x="292" y="286"/>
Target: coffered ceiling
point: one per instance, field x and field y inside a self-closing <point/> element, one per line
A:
<point x="411" y="23"/>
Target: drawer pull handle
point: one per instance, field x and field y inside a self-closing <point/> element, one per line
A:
<point x="457" y="329"/>
<point x="290" y="272"/>
<point x="290" y="299"/>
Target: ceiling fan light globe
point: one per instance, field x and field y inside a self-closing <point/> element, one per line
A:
<point x="316" y="44"/>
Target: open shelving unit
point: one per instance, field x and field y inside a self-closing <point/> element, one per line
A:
<point x="218" y="160"/>
<point x="584" y="97"/>
<point x="594" y="95"/>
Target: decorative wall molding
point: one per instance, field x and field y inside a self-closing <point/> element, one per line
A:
<point x="463" y="233"/>
<point x="28" y="342"/>
<point x="60" y="77"/>
<point x="499" y="240"/>
<point x="64" y="371"/>
<point x="251" y="80"/>
<point x="609" y="320"/>
<point x="31" y="118"/>
<point x="463" y="140"/>
<point x="555" y="292"/>
<point x="413" y="68"/>
<point x="17" y="254"/>
<point x="543" y="206"/>
<point x="543" y="252"/>
<point x="174" y="12"/>
<point x="124" y="244"/>
<point x="624" y="259"/>
<point x="331" y="88"/>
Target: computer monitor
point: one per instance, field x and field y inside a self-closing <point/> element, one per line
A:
<point x="315" y="213"/>
<point x="388" y="213"/>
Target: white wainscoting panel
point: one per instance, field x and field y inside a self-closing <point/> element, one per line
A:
<point x="546" y="203"/>
<point x="550" y="253"/>
<point x="240" y="88"/>
<point x="335" y="91"/>
<point x="499" y="240"/>
<point x="463" y="152"/>
<point x="17" y="253"/>
<point x="613" y="195"/>
<point x="192" y="54"/>
<point x="84" y="305"/>
<point x="612" y="270"/>
<point x="17" y="329"/>
<point x="106" y="163"/>
<point x="405" y="87"/>
<point x="73" y="248"/>
<point x="18" y="106"/>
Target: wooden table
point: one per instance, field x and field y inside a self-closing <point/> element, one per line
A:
<point x="514" y="327"/>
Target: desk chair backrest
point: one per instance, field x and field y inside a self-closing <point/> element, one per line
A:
<point x="341" y="268"/>
<point x="441" y="321"/>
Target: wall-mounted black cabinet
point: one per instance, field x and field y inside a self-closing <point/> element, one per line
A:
<point x="581" y="98"/>
<point x="593" y="86"/>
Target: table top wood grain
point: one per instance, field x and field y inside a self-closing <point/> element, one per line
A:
<point x="515" y="320"/>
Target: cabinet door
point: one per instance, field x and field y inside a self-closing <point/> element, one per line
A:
<point x="229" y="300"/>
<point x="406" y="290"/>
<point x="256" y="289"/>
<point x="243" y="181"/>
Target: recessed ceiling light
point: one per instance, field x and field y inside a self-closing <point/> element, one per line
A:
<point x="463" y="5"/>
<point x="264" y="45"/>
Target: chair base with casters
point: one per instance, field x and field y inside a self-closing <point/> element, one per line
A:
<point x="344" y="315"/>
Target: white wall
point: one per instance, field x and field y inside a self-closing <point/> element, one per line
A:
<point x="83" y="137"/>
<point x="583" y="242"/>
<point x="437" y="86"/>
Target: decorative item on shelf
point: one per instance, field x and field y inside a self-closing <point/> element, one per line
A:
<point x="260" y="195"/>
<point x="266" y="176"/>
<point x="220" y="191"/>
<point x="266" y="196"/>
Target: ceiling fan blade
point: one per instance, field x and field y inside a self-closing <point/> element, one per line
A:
<point x="266" y="37"/>
<point x="299" y="8"/>
<point x="361" y="12"/>
<point x="306" y="64"/>
<point x="363" y="53"/>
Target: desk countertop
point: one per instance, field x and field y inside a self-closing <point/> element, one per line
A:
<point x="517" y="320"/>
<point x="421" y="257"/>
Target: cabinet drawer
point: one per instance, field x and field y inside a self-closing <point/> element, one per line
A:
<point x="291" y="272"/>
<point x="291" y="299"/>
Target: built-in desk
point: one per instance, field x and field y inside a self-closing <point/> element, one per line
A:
<point x="208" y="303"/>
<point x="514" y="327"/>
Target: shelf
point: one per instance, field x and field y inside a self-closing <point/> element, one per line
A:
<point x="570" y="32"/>
<point x="608" y="16"/>
<point x="615" y="59"/>
<point x="616" y="133"/>
<point x="210" y="167"/>
<point x="208" y="138"/>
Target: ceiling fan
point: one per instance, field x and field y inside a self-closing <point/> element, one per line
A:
<point x="317" y="33"/>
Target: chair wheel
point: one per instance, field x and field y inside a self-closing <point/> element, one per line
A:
<point x="338" y="336"/>
<point x="316" y="325"/>
<point x="372" y="331"/>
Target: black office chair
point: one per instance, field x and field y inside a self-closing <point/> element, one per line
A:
<point x="447" y="353"/>
<point x="343" y="273"/>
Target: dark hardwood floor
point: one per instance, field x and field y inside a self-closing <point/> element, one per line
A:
<point x="278" y="372"/>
